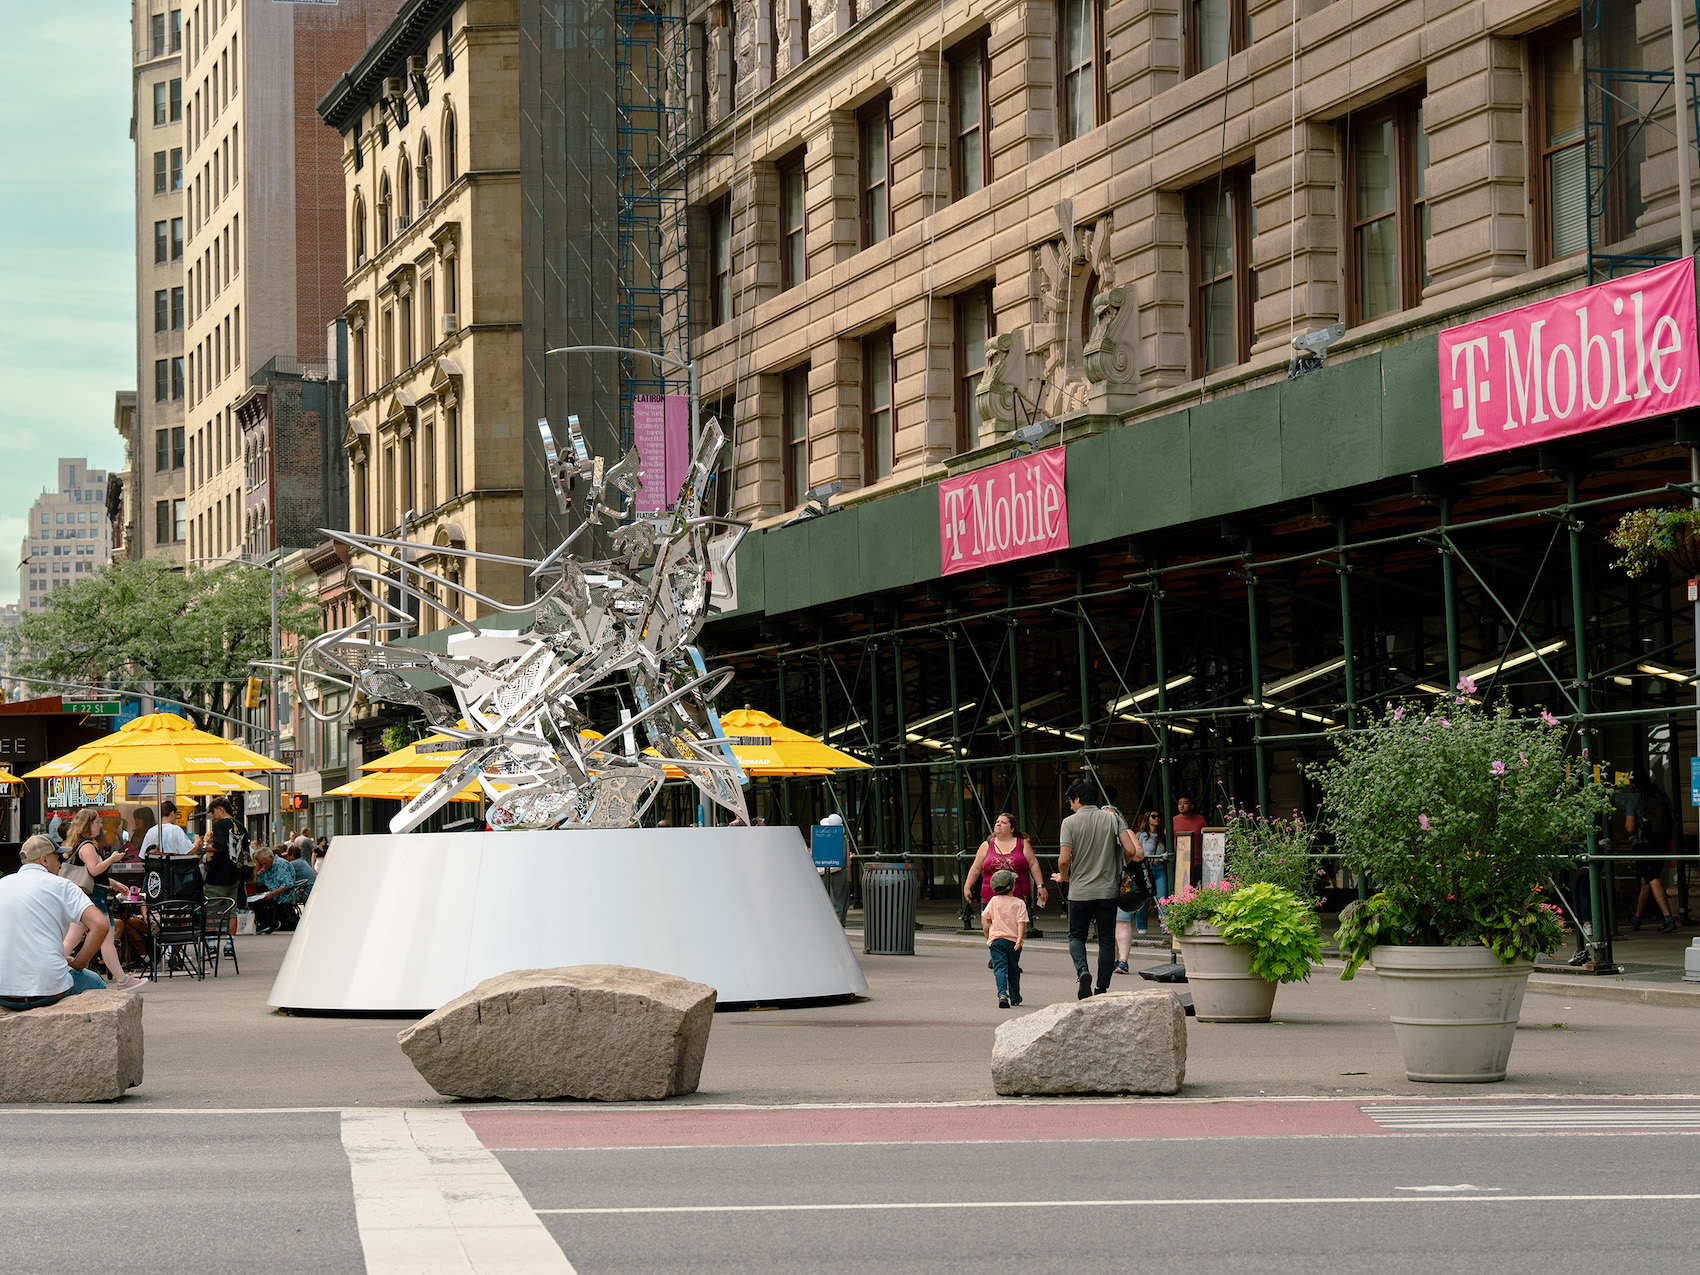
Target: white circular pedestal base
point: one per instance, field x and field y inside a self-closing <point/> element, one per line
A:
<point x="407" y="923"/>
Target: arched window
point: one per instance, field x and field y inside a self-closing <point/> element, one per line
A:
<point x="359" y="229"/>
<point x="404" y="181"/>
<point x="422" y="173"/>
<point x="384" y="212"/>
<point x="451" y="149"/>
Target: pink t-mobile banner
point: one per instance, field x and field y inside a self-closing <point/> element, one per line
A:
<point x="1615" y="352"/>
<point x="1008" y="511"/>
<point x="661" y="431"/>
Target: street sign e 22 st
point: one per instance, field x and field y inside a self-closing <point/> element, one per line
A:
<point x="92" y="708"/>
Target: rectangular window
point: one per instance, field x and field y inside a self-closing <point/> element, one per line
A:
<point x="177" y="309"/>
<point x="156" y="35"/>
<point x="177" y="239"/>
<point x="388" y="369"/>
<point x="428" y="470"/>
<point x="176" y="101"/>
<point x="874" y="162"/>
<point x="177" y="447"/>
<point x="1215" y="29"/>
<point x="793" y="222"/>
<point x="448" y="48"/>
<point x="160" y="102"/>
<point x="976" y="324"/>
<point x="1080" y="23"/>
<point x="161" y="243"/>
<point x="1219" y="234"/>
<point x="794" y="406"/>
<point x="179" y="527"/>
<point x="879" y="422"/>
<point x="1561" y="151"/>
<point x="161" y="310"/>
<point x="176" y="168"/>
<point x="720" y="261"/>
<point x="451" y="452"/>
<point x="161" y="380"/>
<point x="161" y="177"/>
<point x="1387" y="263"/>
<point x="970" y="155"/>
<point x="162" y="522"/>
<point x="176" y="30"/>
<point x="177" y="377"/>
<point x="161" y="451"/>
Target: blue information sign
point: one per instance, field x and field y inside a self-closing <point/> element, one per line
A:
<point x="1694" y="781"/>
<point x="826" y="843"/>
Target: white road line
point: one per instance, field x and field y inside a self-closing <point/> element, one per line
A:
<point x="1491" y="1116"/>
<point x="1085" y="1204"/>
<point x="428" y="1197"/>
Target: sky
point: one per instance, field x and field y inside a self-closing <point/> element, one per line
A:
<point x="67" y="248"/>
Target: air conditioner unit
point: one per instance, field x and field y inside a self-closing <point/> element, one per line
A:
<point x="451" y="324"/>
<point x="416" y="64"/>
<point x="395" y="86"/>
<point x="402" y="222"/>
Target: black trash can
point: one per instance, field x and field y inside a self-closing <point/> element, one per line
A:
<point x="888" y="908"/>
<point x="172" y="879"/>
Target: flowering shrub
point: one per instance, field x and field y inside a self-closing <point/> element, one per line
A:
<point x="1195" y="904"/>
<point x="1459" y="814"/>
<point x="1273" y="850"/>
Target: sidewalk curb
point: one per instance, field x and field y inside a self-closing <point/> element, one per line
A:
<point x="1585" y="987"/>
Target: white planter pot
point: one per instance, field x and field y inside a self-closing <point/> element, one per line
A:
<point x="1454" y="1010"/>
<point x="1224" y="990"/>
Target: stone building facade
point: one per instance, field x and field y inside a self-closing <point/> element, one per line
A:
<point x="919" y="226"/>
<point x="67" y="537"/>
<point x="429" y="123"/>
<point x="262" y="207"/>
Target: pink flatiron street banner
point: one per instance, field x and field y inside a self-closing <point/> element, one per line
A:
<point x="1616" y="352"/>
<point x="1007" y="511"/>
<point x="661" y="431"/>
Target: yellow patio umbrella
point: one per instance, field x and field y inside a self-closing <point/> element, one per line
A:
<point x="158" y="744"/>
<point x="425" y="756"/>
<point x="7" y="777"/>
<point x="402" y="786"/>
<point x="765" y="746"/>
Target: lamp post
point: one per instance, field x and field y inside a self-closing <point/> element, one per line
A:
<point x="271" y="713"/>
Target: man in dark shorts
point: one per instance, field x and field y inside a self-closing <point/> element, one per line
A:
<point x="1648" y="822"/>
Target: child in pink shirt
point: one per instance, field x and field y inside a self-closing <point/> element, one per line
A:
<point x="1005" y="924"/>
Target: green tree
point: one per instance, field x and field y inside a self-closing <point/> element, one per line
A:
<point x="190" y="632"/>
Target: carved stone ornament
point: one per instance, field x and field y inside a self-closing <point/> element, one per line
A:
<point x="1066" y="268"/>
<point x="1004" y="398"/>
<point x="1115" y="337"/>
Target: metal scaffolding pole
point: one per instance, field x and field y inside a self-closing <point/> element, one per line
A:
<point x="1349" y="651"/>
<point x="956" y="754"/>
<point x="1598" y="888"/>
<point x="905" y="840"/>
<point x="1015" y="710"/>
<point x="876" y="781"/>
<point x="1085" y="669"/>
<point x="1449" y="590"/>
<point x="1162" y="662"/>
<point x="784" y="784"/>
<point x="1253" y="633"/>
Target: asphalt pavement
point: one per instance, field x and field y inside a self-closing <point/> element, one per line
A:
<point x="866" y="1137"/>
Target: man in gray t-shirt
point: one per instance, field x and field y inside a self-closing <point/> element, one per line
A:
<point x="1095" y="844"/>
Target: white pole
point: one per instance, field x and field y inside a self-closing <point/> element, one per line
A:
<point x="1679" y="83"/>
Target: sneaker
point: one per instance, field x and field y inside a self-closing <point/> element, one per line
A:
<point x="1003" y="1002"/>
<point x="1635" y="922"/>
<point x="1085" y="988"/>
<point x="1121" y="967"/>
<point x="1587" y="929"/>
<point x="1581" y="958"/>
<point x="1140" y="930"/>
<point x="1016" y="1003"/>
<point x="1668" y="925"/>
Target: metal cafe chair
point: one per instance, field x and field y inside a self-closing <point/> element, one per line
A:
<point x="177" y="937"/>
<point x="219" y="911"/>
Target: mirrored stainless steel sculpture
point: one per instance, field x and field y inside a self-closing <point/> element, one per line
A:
<point x="625" y="623"/>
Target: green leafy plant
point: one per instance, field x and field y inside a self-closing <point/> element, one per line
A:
<point x="1459" y="813"/>
<point x="1277" y="925"/>
<point x="397" y="738"/>
<point x="1643" y="535"/>
<point x="1275" y="850"/>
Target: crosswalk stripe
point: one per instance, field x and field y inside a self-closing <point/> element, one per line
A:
<point x="428" y="1196"/>
<point x="1534" y="1116"/>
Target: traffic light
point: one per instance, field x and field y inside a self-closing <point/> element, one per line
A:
<point x="256" y="692"/>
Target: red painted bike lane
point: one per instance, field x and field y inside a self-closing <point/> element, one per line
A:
<point x="557" y="1129"/>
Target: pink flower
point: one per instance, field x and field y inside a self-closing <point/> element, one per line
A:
<point x="1548" y="719"/>
<point x="1398" y="712"/>
<point x="1467" y="685"/>
<point x="1499" y="768"/>
<point x="1422" y="822"/>
<point x="1444" y="722"/>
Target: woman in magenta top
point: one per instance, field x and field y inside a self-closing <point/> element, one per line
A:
<point x="1005" y="848"/>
